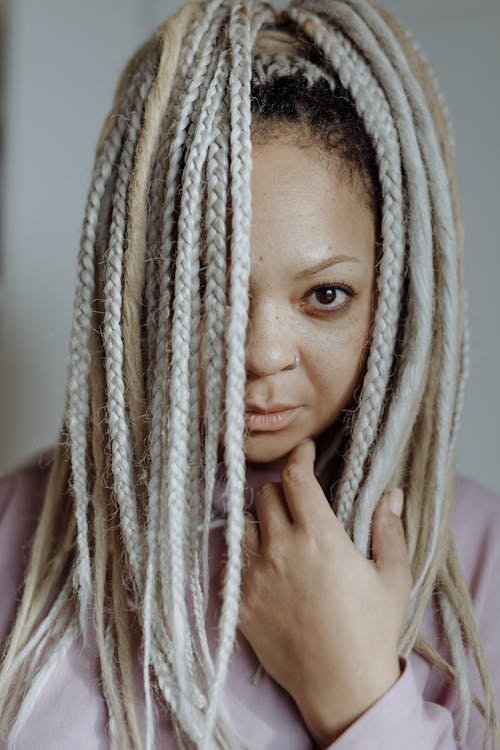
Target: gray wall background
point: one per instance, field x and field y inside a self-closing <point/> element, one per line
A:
<point x="64" y="58"/>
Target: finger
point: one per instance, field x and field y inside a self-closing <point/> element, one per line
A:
<point x="251" y="543"/>
<point x="304" y="496"/>
<point x="251" y="537"/>
<point x="389" y="548"/>
<point x="272" y="511"/>
<point x="250" y="549"/>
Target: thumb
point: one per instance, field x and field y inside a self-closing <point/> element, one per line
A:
<point x="388" y="539"/>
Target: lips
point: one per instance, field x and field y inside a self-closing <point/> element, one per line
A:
<point x="269" y="408"/>
<point x="273" y="418"/>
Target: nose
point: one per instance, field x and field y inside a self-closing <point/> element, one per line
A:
<point x="271" y="345"/>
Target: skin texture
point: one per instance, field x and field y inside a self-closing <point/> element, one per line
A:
<point x="306" y="590"/>
<point x="303" y="213"/>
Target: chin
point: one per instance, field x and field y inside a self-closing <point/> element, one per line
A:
<point x="263" y="448"/>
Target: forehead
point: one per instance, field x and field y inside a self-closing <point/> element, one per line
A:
<point x="304" y="208"/>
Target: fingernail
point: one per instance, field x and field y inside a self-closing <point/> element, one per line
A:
<point x="396" y="501"/>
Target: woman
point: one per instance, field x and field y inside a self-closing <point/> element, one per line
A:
<point x="270" y="287"/>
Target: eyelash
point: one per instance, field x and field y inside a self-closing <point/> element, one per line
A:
<point x="340" y="287"/>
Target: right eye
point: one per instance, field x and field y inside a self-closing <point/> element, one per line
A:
<point x="329" y="297"/>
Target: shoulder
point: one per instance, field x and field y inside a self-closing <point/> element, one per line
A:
<point x="21" y="495"/>
<point x="469" y="490"/>
<point x="476" y="512"/>
<point x="21" y="498"/>
<point x="476" y="530"/>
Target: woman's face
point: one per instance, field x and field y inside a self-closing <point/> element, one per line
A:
<point x="311" y="295"/>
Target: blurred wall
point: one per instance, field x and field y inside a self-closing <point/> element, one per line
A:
<point x="461" y="43"/>
<point x="64" y="59"/>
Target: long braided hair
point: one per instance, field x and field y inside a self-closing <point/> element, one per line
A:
<point x="157" y="363"/>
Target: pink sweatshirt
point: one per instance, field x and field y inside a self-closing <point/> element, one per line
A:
<point x="417" y="713"/>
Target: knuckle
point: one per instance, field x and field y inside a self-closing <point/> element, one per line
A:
<point x="254" y="594"/>
<point x="267" y="489"/>
<point x="276" y="556"/>
<point x="294" y="473"/>
<point x="316" y="534"/>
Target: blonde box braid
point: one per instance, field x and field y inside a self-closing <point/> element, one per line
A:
<point x="179" y="369"/>
<point x="78" y="407"/>
<point x="169" y="106"/>
<point x="160" y="381"/>
<point x="160" y="321"/>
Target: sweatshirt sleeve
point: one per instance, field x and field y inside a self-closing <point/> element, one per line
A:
<point x="419" y="717"/>
<point x="401" y="718"/>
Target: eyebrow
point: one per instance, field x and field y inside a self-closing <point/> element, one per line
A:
<point x="331" y="261"/>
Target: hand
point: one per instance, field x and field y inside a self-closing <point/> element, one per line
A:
<point x="323" y="620"/>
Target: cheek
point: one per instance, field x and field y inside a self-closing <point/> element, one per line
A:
<point x="337" y="362"/>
